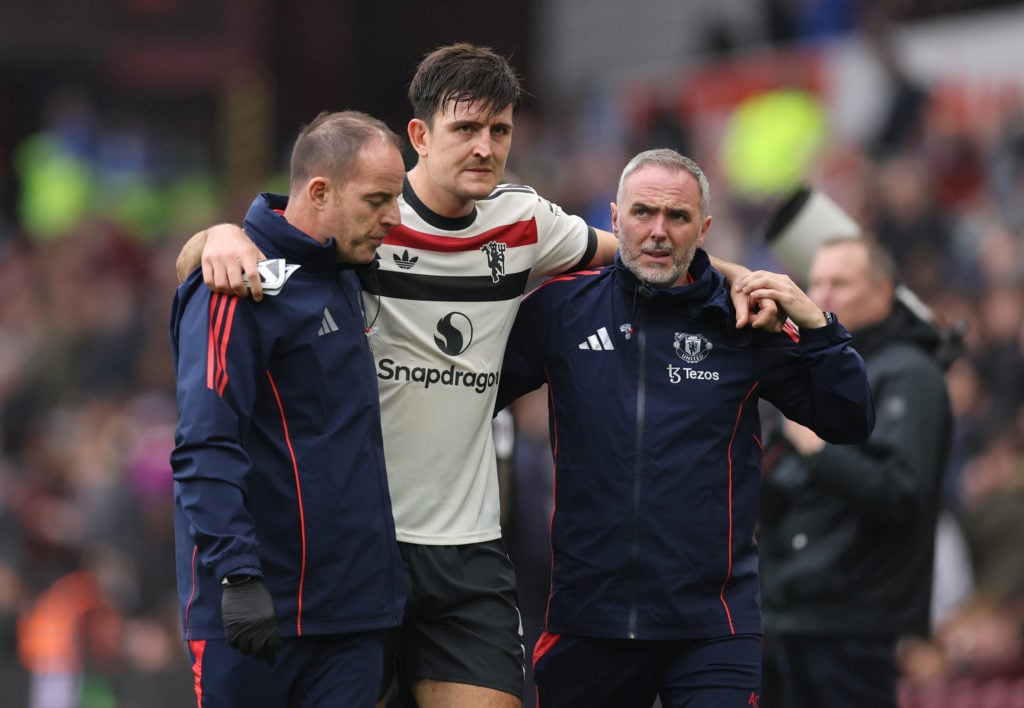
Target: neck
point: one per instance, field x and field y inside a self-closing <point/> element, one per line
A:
<point x="302" y="221"/>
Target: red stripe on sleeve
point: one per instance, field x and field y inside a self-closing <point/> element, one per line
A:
<point x="222" y="314"/>
<point x="789" y="328"/>
<point x="211" y="345"/>
<point x="225" y="337"/>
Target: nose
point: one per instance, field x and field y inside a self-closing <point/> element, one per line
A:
<point x="659" y="226"/>
<point x="482" y="146"/>
<point x="391" y="216"/>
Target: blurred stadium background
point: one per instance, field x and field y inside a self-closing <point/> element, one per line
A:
<point x="126" y="125"/>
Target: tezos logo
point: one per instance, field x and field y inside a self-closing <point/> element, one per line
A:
<point x="691" y="347"/>
<point x="454" y="333"/>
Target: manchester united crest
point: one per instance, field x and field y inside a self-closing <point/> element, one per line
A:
<point x="691" y="348"/>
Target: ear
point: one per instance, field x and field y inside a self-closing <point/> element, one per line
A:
<point x="316" y="190"/>
<point x="704" y="230"/>
<point x="418" y="136"/>
<point x="615" y="218"/>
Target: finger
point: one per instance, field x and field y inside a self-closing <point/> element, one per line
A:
<point x="753" y="279"/>
<point x="768" y="317"/>
<point x="761" y="321"/>
<point x="742" y="305"/>
<point x="764" y="295"/>
<point x="208" y="275"/>
<point x="234" y="274"/>
<point x="741" y="282"/>
<point x="742" y="318"/>
<point x="253" y="274"/>
<point x="221" y="282"/>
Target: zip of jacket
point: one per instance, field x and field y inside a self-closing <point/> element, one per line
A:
<point x="638" y="468"/>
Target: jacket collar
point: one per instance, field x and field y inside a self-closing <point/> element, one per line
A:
<point x="706" y="289"/>
<point x="273" y="234"/>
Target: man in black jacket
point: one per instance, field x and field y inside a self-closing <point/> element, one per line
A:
<point x="847" y="531"/>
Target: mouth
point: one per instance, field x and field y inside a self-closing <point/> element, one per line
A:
<point x="657" y="254"/>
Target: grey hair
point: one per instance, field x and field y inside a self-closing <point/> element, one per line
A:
<point x="666" y="157"/>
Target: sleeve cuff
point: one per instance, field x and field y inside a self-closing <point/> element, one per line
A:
<point x="832" y="332"/>
<point x="240" y="565"/>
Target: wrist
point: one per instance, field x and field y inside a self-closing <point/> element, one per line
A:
<point x="827" y="318"/>
<point x="235" y="579"/>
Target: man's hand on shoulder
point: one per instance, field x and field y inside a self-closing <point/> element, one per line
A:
<point x="758" y="312"/>
<point x="791" y="301"/>
<point x="229" y="258"/>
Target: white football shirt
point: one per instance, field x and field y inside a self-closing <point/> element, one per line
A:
<point x="440" y="308"/>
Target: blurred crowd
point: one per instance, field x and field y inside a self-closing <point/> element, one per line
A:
<point x="87" y="411"/>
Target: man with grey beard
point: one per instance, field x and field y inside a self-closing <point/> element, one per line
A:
<point x="655" y="435"/>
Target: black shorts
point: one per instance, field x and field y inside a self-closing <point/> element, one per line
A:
<point x="461" y="622"/>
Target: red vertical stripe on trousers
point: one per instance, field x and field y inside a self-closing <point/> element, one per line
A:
<point x="198" y="646"/>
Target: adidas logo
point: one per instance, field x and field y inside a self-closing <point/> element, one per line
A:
<point x="405" y="262"/>
<point x="327" y="324"/>
<point x="598" y="342"/>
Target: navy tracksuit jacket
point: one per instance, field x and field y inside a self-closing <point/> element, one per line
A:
<point x="656" y="440"/>
<point x="278" y="460"/>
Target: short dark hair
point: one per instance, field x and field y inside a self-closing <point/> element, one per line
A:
<point x="331" y="142"/>
<point x="463" y="73"/>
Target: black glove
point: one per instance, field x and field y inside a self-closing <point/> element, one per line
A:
<point x="249" y="621"/>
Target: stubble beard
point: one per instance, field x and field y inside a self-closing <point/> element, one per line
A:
<point x="657" y="276"/>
